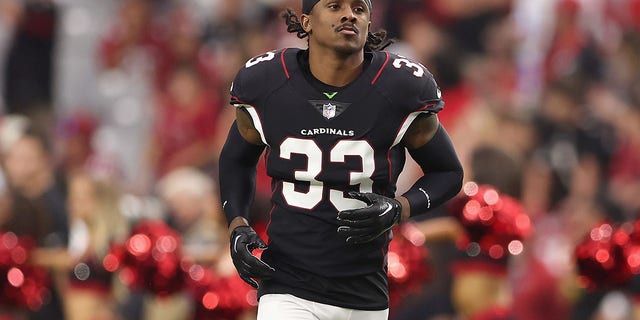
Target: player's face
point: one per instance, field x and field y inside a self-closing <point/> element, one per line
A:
<point x="342" y="25"/>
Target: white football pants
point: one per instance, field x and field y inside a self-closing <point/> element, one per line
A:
<point x="289" y="307"/>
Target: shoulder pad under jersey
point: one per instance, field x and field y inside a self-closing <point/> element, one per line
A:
<point x="409" y="85"/>
<point x="258" y="77"/>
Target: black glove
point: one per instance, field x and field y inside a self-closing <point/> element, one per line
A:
<point x="366" y="224"/>
<point x="243" y="241"/>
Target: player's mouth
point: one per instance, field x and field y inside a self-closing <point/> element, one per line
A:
<point x="347" y="29"/>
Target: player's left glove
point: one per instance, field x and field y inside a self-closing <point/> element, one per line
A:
<point x="368" y="223"/>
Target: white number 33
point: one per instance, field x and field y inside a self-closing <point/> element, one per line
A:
<point x="418" y="69"/>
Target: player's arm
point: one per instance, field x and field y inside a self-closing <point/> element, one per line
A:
<point x="246" y="128"/>
<point x="430" y="146"/>
<point x="239" y="157"/>
<point x="237" y="170"/>
<point x="238" y="160"/>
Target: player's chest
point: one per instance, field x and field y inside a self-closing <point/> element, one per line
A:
<point x="329" y="116"/>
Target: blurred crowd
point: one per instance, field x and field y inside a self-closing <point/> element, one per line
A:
<point x="114" y="112"/>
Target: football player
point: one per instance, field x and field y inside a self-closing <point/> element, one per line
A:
<point x="335" y="121"/>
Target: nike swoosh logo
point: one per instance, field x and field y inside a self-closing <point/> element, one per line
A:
<point x="386" y="210"/>
<point x="235" y="242"/>
<point x="224" y="204"/>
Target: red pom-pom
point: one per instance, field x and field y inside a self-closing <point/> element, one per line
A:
<point x="602" y="257"/>
<point x="495" y="223"/>
<point x="22" y="285"/>
<point x="150" y="259"/>
<point x="219" y="297"/>
<point x="628" y="237"/>
<point x="407" y="262"/>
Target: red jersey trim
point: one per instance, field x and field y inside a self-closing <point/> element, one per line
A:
<point x="234" y="98"/>
<point x="427" y="106"/>
<point x="381" y="68"/>
<point x="284" y="65"/>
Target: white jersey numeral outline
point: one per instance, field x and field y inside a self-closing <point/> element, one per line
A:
<point x="262" y="58"/>
<point x="418" y="68"/>
<point x="342" y="149"/>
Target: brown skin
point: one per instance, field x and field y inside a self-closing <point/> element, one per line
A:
<point x="337" y="34"/>
<point x="336" y="56"/>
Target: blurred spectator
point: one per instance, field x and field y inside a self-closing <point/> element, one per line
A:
<point x="544" y="277"/>
<point x="481" y="285"/>
<point x="540" y="91"/>
<point x="96" y="224"/>
<point x="397" y="12"/>
<point x="568" y="39"/>
<point x="194" y="211"/>
<point x="182" y="44"/>
<point x="127" y="57"/>
<point x="133" y="30"/>
<point x="466" y="21"/>
<point x="624" y="175"/>
<point x="186" y="119"/>
<point x="10" y="12"/>
<point x="75" y="134"/>
<point x="427" y="43"/>
<point x="228" y="25"/>
<point x="573" y="48"/>
<point x="28" y="76"/>
<point x="30" y="173"/>
<point x="37" y="206"/>
<point x="11" y="129"/>
<point x="495" y="167"/>
<point x="74" y="137"/>
<point x="623" y="64"/>
<point x="564" y="146"/>
<point x="468" y="285"/>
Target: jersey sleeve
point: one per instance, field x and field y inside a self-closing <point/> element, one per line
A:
<point x="411" y="87"/>
<point x="430" y="97"/>
<point x="257" y="77"/>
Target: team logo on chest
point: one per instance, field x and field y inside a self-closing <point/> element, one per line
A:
<point x="329" y="109"/>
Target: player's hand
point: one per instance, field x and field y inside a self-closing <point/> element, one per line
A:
<point x="243" y="241"/>
<point x="368" y="223"/>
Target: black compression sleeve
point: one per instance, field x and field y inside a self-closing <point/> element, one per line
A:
<point x="237" y="171"/>
<point x="442" y="174"/>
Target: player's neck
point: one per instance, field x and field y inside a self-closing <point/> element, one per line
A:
<point x="334" y="69"/>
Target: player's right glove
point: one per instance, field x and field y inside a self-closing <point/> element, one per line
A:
<point x="243" y="241"/>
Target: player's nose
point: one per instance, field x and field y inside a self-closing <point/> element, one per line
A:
<point x="348" y="15"/>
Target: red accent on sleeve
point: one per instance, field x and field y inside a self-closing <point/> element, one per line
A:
<point x="284" y="65"/>
<point x="381" y="68"/>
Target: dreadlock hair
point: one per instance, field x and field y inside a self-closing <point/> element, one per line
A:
<point x="375" y="41"/>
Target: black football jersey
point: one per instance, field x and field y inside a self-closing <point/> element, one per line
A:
<point x="321" y="145"/>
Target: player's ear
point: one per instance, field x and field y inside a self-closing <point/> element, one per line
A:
<point x="305" y="22"/>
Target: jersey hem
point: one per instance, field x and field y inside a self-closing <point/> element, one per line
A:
<point x="274" y="288"/>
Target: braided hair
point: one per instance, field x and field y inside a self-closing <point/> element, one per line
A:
<point x="375" y="41"/>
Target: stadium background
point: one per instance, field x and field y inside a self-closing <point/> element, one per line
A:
<point x="543" y="103"/>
